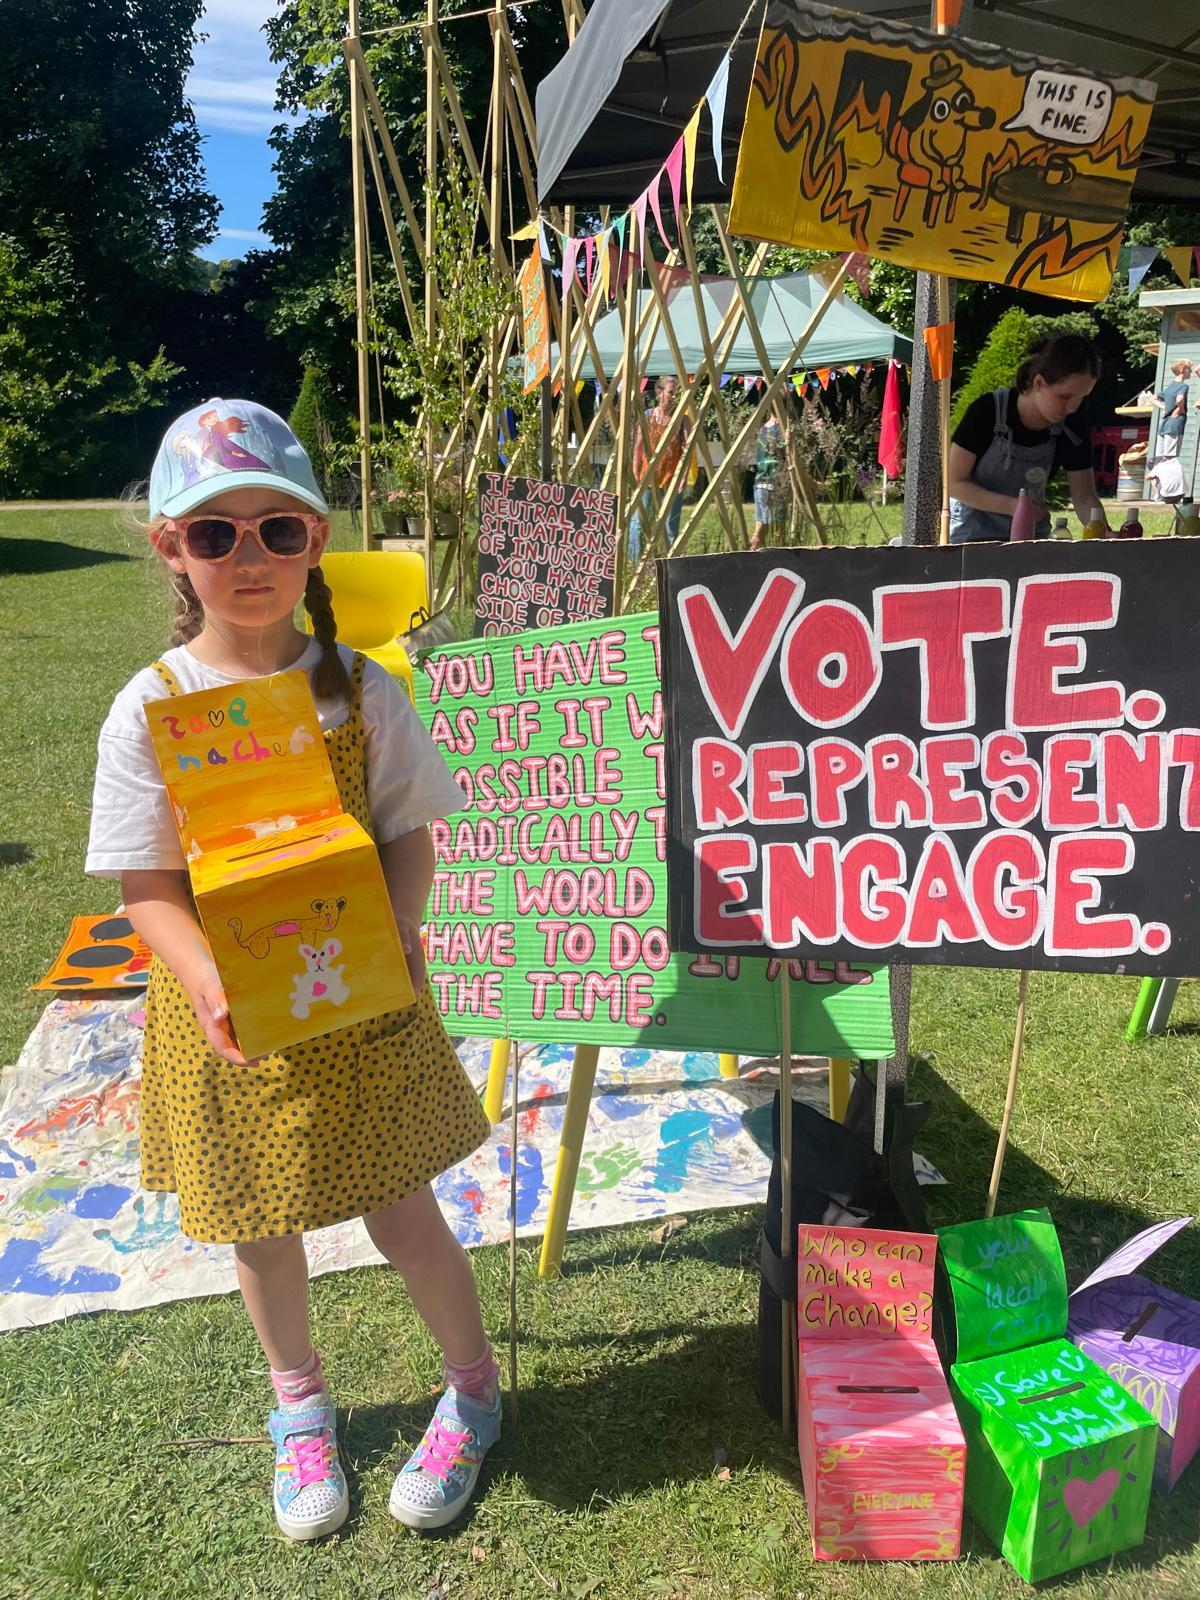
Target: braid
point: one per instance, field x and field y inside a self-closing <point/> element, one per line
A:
<point x="189" y="615"/>
<point x="331" y="681"/>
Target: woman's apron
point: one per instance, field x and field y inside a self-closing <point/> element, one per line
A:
<point x="1006" y="467"/>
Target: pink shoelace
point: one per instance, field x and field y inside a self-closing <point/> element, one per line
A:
<point x="440" y="1454"/>
<point x="310" y="1458"/>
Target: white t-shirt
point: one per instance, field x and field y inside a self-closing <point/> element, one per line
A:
<point x="408" y="782"/>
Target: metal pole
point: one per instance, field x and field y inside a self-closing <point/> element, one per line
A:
<point x="359" y="191"/>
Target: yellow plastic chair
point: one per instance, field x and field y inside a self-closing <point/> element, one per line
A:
<point x="377" y="595"/>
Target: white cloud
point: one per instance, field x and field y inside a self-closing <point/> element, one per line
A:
<point x="246" y="235"/>
<point x="232" y="81"/>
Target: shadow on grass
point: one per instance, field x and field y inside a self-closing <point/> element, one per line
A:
<point x="28" y="556"/>
<point x="659" y="1418"/>
<point x="14" y="855"/>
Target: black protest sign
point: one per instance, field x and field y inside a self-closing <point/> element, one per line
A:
<point x="979" y="756"/>
<point x="546" y="554"/>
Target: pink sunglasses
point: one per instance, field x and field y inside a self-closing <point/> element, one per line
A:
<point x="284" y="534"/>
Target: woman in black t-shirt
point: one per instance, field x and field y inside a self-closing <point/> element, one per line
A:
<point x="1018" y="438"/>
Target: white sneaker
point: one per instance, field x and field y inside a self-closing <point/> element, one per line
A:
<point x="439" y="1478"/>
<point x="311" y="1497"/>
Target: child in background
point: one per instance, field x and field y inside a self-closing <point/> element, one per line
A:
<point x="353" y="1124"/>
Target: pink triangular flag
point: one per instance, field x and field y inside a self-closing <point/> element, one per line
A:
<point x="656" y="207"/>
<point x="639" y="210"/>
<point x="673" y="167"/>
<point x="570" y="253"/>
<point x="858" y="267"/>
<point x="589" y="245"/>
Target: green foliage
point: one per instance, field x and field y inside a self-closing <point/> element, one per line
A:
<point x="102" y="207"/>
<point x="997" y="362"/>
<point x="319" y="421"/>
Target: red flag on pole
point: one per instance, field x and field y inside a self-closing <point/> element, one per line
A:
<point x="889" y="456"/>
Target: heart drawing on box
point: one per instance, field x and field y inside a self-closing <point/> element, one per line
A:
<point x="1085" y="1501"/>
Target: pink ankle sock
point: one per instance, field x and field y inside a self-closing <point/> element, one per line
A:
<point x="301" y="1382"/>
<point x="479" y="1378"/>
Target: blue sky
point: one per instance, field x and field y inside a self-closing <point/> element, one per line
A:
<point x="232" y="90"/>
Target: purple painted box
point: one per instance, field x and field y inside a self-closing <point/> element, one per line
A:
<point x="1148" y="1339"/>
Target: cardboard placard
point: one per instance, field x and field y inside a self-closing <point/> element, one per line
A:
<point x="535" y="322"/>
<point x="855" y="1281"/>
<point x="984" y="755"/>
<point x="547" y="919"/>
<point x="99" y="953"/>
<point x="546" y="554"/>
<point x="293" y="903"/>
<point x="1008" y="1280"/>
<point x="945" y="155"/>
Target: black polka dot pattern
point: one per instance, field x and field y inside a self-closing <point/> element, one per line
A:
<point x="333" y="1128"/>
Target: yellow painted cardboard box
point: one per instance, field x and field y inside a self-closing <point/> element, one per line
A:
<point x="288" y="888"/>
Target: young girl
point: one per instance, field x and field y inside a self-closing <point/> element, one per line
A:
<point x="357" y="1122"/>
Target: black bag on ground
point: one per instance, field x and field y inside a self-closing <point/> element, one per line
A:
<point x="840" y="1180"/>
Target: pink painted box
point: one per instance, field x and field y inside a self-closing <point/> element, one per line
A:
<point x="881" y="1450"/>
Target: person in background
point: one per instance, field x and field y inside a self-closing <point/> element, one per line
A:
<point x="766" y="475"/>
<point x="1172" y="401"/>
<point x="658" y="424"/>
<point x="1018" y="438"/>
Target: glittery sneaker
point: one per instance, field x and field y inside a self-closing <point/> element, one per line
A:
<point x="311" y="1498"/>
<point x="439" y="1477"/>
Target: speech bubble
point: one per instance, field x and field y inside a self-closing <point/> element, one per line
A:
<point x="1064" y="107"/>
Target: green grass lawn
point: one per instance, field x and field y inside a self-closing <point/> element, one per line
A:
<point x="636" y="1368"/>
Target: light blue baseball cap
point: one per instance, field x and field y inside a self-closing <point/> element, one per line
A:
<point x="228" y="444"/>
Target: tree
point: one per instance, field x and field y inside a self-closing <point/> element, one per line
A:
<point x="102" y="207"/>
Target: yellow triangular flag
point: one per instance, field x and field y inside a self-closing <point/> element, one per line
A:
<point x="529" y="231"/>
<point x="602" y="247"/>
<point x="690" y="135"/>
<point x="1181" y="263"/>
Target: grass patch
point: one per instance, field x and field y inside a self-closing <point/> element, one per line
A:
<point x="636" y="1367"/>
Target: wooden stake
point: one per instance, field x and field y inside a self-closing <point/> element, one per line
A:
<point x="512" y="1239"/>
<point x="787" y="1243"/>
<point x="359" y="190"/>
<point x="1010" y="1097"/>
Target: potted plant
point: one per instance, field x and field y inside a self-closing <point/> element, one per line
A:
<point x="399" y="489"/>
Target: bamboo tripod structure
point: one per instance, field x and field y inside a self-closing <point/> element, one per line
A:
<point x="502" y="180"/>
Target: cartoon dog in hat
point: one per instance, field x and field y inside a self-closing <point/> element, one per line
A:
<point x="930" y="136"/>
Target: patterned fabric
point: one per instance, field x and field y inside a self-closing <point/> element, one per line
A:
<point x="311" y="1497"/>
<point x="332" y="1128"/>
<point x="437" y="1481"/>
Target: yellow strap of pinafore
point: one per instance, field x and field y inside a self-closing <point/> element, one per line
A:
<point x="168" y="677"/>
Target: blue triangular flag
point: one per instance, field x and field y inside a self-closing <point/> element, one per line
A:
<point x="715" y="95"/>
<point x="1141" y="259"/>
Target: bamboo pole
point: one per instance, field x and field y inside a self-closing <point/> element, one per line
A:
<point x="358" y="189"/>
<point x="1010" y="1098"/>
<point x="389" y="225"/>
<point x="628" y="390"/>
<point x="389" y="149"/>
<point x="512" y="1237"/>
<point x="429" y="35"/>
<point x="786" y="1242"/>
<point x="491" y="423"/>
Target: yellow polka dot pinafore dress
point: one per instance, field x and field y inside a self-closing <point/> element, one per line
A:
<point x="333" y="1128"/>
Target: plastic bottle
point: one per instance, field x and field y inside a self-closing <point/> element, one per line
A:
<point x="1095" y="527"/>
<point x="1023" y="520"/>
<point x="1131" y="528"/>
<point x="1060" y="529"/>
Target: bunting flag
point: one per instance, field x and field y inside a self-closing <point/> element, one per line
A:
<point x="602" y="252"/>
<point x="798" y="383"/>
<point x="690" y="134"/>
<point x="858" y="267"/>
<point x="639" y="211"/>
<point x="589" y="245"/>
<point x="570" y="256"/>
<point x="673" y="167"/>
<point x="1196" y="255"/>
<point x="543" y="243"/>
<point x="825" y="272"/>
<point x="1141" y="259"/>
<point x="823" y="377"/>
<point x="1180" y="257"/>
<point x="715" y="95"/>
<point x="529" y="231"/>
<point x="888" y="455"/>
<point x="670" y="278"/>
<point x="656" y="207"/>
<point x="939" y="342"/>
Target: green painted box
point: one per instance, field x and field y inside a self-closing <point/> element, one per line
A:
<point x="1060" y="1458"/>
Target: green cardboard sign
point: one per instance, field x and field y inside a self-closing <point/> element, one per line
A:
<point x="1008" y="1281"/>
<point x="548" y="916"/>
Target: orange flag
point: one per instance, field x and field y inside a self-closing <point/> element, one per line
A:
<point x="823" y="377"/>
<point x="939" y="342"/>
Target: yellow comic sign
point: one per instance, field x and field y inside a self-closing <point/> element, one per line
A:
<point x="947" y="156"/>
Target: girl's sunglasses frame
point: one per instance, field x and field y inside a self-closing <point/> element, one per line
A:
<point x="181" y="528"/>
